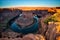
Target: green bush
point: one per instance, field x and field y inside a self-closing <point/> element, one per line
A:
<point x="49" y="19"/>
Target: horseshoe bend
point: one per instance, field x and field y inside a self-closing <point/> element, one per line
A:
<point x="30" y="23"/>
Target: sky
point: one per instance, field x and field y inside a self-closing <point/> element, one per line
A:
<point x="29" y="3"/>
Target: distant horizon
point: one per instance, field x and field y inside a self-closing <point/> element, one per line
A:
<point x="32" y="8"/>
<point x="27" y="6"/>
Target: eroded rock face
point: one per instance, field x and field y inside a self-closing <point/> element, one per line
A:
<point x="42" y="26"/>
<point x="25" y="19"/>
<point x="10" y="34"/>
<point x="29" y="37"/>
<point x="58" y="38"/>
<point x="33" y="37"/>
<point x="51" y="31"/>
<point x="10" y="39"/>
